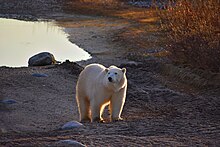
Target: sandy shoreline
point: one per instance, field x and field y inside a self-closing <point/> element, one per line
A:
<point x="94" y="36"/>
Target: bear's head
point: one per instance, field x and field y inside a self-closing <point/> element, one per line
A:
<point x="115" y="76"/>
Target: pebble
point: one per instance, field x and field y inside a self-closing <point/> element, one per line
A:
<point x="71" y="125"/>
<point x="39" y="75"/>
<point x="70" y="142"/>
<point x="9" y="101"/>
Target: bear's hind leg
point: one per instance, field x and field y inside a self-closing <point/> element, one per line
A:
<point x="84" y="109"/>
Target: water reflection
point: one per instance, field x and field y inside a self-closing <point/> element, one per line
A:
<point x="19" y="40"/>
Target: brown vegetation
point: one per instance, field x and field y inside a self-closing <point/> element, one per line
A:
<point x="193" y="31"/>
<point x="101" y="2"/>
<point x="110" y="8"/>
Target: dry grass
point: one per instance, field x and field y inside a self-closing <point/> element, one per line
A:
<point x="193" y="31"/>
<point x="101" y="2"/>
<point x="111" y="8"/>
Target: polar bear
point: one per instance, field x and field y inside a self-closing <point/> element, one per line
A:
<point x="97" y="87"/>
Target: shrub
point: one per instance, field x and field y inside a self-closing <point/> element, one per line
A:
<point x="100" y="2"/>
<point x="193" y="32"/>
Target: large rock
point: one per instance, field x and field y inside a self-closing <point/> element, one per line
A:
<point x="41" y="59"/>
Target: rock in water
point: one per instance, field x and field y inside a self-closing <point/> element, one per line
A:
<point x="70" y="142"/>
<point x="71" y="125"/>
<point x="41" y="59"/>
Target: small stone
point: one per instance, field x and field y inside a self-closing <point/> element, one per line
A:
<point x="39" y="75"/>
<point x="71" y="125"/>
<point x="42" y="59"/>
<point x="70" y="142"/>
<point x="133" y="63"/>
<point x="130" y="64"/>
<point x="3" y="130"/>
<point x="94" y="36"/>
<point x="9" y="101"/>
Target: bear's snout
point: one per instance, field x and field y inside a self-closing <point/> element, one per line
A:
<point x="110" y="79"/>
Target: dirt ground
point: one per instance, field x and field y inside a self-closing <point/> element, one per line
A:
<point x="159" y="110"/>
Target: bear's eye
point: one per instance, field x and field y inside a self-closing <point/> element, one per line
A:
<point x="108" y="73"/>
<point x="116" y="73"/>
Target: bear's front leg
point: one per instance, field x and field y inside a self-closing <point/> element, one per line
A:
<point x="116" y="104"/>
<point x="95" y="111"/>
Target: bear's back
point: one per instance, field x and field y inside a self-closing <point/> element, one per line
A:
<point x="91" y="75"/>
<point x="93" y="70"/>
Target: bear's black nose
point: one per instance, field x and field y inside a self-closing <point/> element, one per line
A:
<point x="110" y="79"/>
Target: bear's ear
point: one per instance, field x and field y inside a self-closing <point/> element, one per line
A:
<point x="124" y="70"/>
<point x="106" y="70"/>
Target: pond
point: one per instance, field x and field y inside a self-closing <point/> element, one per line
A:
<point x="19" y="40"/>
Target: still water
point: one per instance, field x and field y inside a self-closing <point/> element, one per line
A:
<point x="19" y="40"/>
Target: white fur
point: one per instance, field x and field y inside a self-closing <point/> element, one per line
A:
<point x="94" y="91"/>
